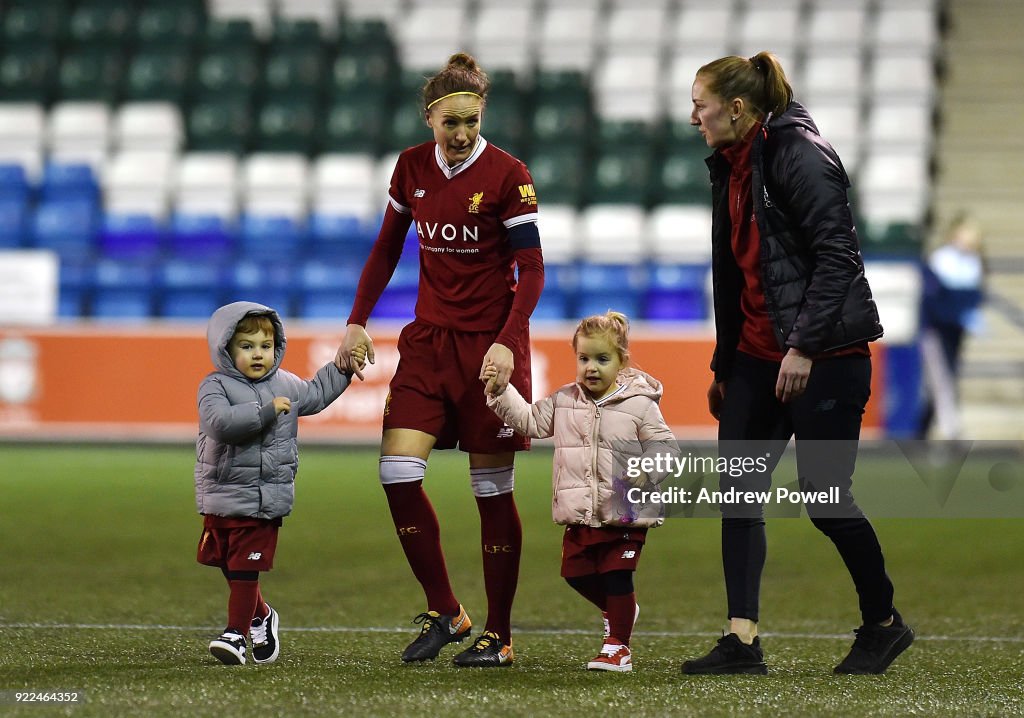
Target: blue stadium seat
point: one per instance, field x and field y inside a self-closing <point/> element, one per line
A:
<point x="14" y="184"/>
<point x="66" y="226"/>
<point x="255" y="280"/>
<point x="201" y="237"/>
<point x="77" y="278"/>
<point x="557" y="301"/>
<point x="397" y="303"/>
<point x="332" y="305"/>
<point x="123" y="290"/>
<point x="271" y="237"/>
<point x="189" y="289"/>
<point x="611" y="286"/>
<point x="69" y="181"/>
<point x="13" y="215"/>
<point x="553" y="304"/>
<point x="677" y="293"/>
<point x="340" y="235"/>
<point x="130" y="236"/>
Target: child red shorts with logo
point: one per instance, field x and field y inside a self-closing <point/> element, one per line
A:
<point x="437" y="389"/>
<point x="587" y="550"/>
<point x="238" y="544"/>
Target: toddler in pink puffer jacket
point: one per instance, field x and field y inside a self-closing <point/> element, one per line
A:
<point x="609" y="414"/>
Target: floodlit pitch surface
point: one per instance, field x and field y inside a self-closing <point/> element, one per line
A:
<point x="100" y="595"/>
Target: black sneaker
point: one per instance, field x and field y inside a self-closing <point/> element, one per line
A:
<point x="229" y="648"/>
<point x="487" y="651"/>
<point x="730" y="655"/>
<point x="437" y="632"/>
<point x="876" y="647"/>
<point x="265" y="647"/>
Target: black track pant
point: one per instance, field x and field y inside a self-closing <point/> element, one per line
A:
<point x="826" y="422"/>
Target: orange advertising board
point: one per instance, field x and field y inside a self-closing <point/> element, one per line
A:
<point x="95" y="381"/>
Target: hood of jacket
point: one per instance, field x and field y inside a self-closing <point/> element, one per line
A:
<point x="221" y="328"/>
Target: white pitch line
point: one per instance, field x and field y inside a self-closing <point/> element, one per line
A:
<point x="526" y="631"/>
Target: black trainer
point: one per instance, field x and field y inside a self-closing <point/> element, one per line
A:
<point x="487" y="651"/>
<point x="229" y="647"/>
<point x="264" y="633"/>
<point x="876" y="647"/>
<point x="437" y="632"/>
<point x="730" y="655"/>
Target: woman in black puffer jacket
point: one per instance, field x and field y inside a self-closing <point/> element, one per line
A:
<point x="793" y="318"/>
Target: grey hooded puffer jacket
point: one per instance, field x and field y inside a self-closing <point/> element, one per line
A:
<point x="246" y="453"/>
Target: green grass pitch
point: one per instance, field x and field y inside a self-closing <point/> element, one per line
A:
<point x="100" y="593"/>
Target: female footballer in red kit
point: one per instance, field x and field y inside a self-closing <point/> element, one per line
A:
<point x="475" y="214"/>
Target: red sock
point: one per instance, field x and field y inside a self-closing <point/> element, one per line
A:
<point x="420" y="535"/>
<point x="242" y="605"/>
<point x="621" y="612"/>
<point x="262" y="610"/>
<point x="501" y="537"/>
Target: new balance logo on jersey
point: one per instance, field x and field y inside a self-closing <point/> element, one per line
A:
<point x="419" y="193"/>
<point x="255" y="556"/>
<point x="629" y="554"/>
<point x="505" y="432"/>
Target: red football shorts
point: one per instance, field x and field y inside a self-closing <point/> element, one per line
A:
<point x="587" y="551"/>
<point x="437" y="389"/>
<point x="238" y="544"/>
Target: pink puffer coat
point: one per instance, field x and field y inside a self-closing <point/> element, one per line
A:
<point x="593" y="442"/>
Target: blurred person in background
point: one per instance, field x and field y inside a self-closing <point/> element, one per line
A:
<point x="953" y="290"/>
<point x="793" y="318"/>
<point x="481" y="274"/>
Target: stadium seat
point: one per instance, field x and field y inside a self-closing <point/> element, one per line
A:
<point x="837" y="26"/>
<point x="201" y="237"/>
<point x="69" y="181"/>
<point x="357" y="121"/>
<point x="101" y="22"/>
<point x="832" y="74"/>
<point x="255" y="280"/>
<point x="902" y="75"/>
<point x="169" y="24"/>
<point x="15" y="185"/>
<point x="91" y="73"/>
<point x="13" y="220"/>
<point x="501" y="36"/>
<point x="207" y="183"/>
<point x="905" y="26"/>
<point x="159" y="74"/>
<point x="568" y="35"/>
<point x="355" y="72"/>
<point x="298" y="70"/>
<point x="710" y="28"/>
<point x="632" y="26"/>
<point x="131" y="236"/>
<point x="287" y="123"/>
<point x="613" y="234"/>
<point x="322" y="12"/>
<point x="221" y="124"/>
<point x="188" y="290"/>
<point x="67" y="226"/>
<point x="22" y="126"/>
<point x="680" y="233"/>
<point x="79" y="129"/>
<point x="430" y="33"/>
<point x="33" y="22"/>
<point x="271" y="237"/>
<point x="559" y="174"/>
<point x="148" y="126"/>
<point x="139" y="182"/>
<point x="504" y="122"/>
<point x="76" y="280"/>
<point x="275" y="184"/>
<point x="628" y="84"/>
<point x="123" y="290"/>
<point x="28" y="73"/>
<point x="677" y="292"/>
<point x="559" y="229"/>
<point x="256" y="14"/>
<point x="346" y="184"/>
<point x="232" y="70"/>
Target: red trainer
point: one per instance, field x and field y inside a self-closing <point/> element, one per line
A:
<point x="614" y="656"/>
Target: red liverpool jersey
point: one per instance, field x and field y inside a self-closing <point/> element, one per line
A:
<point x="462" y="216"/>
